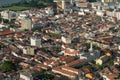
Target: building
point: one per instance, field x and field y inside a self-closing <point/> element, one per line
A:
<point x="113" y="14"/>
<point x="102" y="60"/>
<point x="49" y="11"/>
<point x="31" y="51"/>
<point x="35" y="42"/>
<point x="66" y="40"/>
<point x="65" y="73"/>
<point x="2" y="25"/>
<point x="108" y="1"/>
<point x="9" y="15"/>
<point x="99" y="13"/>
<point x="26" y="75"/>
<point x="26" y="23"/>
<point x="82" y="4"/>
<point x="63" y="5"/>
<point x="71" y="52"/>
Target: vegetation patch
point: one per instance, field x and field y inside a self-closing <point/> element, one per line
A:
<point x="15" y="8"/>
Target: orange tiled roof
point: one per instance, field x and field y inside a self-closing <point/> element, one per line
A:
<point x="6" y="32"/>
<point x="71" y="52"/>
<point x="76" y="62"/>
<point x="111" y="76"/>
<point x="70" y="69"/>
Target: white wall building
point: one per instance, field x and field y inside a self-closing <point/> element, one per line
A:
<point x="9" y="15"/>
<point x="99" y="13"/>
<point x="81" y="13"/>
<point x="108" y="1"/>
<point x="49" y="10"/>
<point x="35" y="42"/>
<point x="113" y="14"/>
<point x="26" y="76"/>
<point x="21" y="16"/>
<point x="66" y="40"/>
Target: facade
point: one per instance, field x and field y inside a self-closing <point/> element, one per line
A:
<point x="82" y="5"/>
<point x="64" y="5"/>
<point x="108" y="1"/>
<point x="49" y="11"/>
<point x="100" y="13"/>
<point x="102" y="60"/>
<point x="113" y="14"/>
<point x="9" y="15"/>
<point x="35" y="42"/>
<point x="26" y="23"/>
<point x="66" y="40"/>
<point x="30" y="51"/>
<point x="26" y="75"/>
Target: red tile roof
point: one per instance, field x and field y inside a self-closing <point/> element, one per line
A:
<point x="76" y="62"/>
<point x="6" y="32"/>
<point x="112" y="76"/>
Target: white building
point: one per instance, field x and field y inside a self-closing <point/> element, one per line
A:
<point x="9" y="15"/>
<point x="3" y="25"/>
<point x="117" y="14"/>
<point x="113" y="14"/>
<point x="24" y="50"/>
<point x="66" y="40"/>
<point x="100" y="13"/>
<point x="26" y="75"/>
<point x="35" y="42"/>
<point x="81" y="13"/>
<point x="49" y="10"/>
<point x="21" y="16"/>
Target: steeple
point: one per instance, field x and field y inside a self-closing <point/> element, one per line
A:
<point x="91" y="47"/>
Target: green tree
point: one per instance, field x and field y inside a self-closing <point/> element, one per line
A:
<point x="7" y="66"/>
<point x="11" y="26"/>
<point x="5" y="21"/>
<point x="0" y="19"/>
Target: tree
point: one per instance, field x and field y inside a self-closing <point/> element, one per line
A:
<point x="0" y="19"/>
<point x="11" y="26"/>
<point x="36" y="28"/>
<point x="7" y="66"/>
<point x="5" y="21"/>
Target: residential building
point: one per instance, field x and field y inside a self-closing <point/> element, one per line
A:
<point x="26" y="75"/>
<point x="49" y="10"/>
<point x="26" y="23"/>
<point x="34" y="41"/>
<point x="7" y="14"/>
<point x="108" y="1"/>
<point x="30" y="50"/>
<point x="66" y="40"/>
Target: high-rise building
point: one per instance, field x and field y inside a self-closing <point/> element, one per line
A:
<point x="30" y="51"/>
<point x="62" y="5"/>
<point x="35" y="42"/>
<point x="26" y="23"/>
